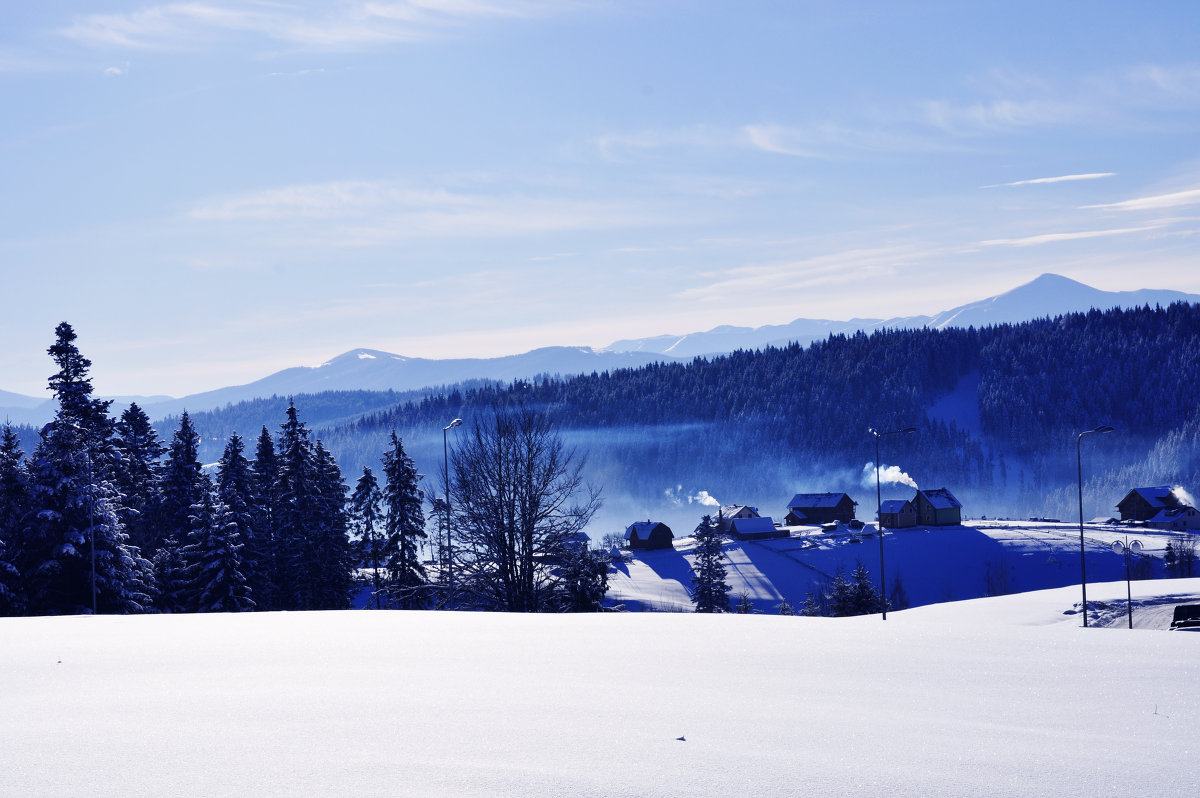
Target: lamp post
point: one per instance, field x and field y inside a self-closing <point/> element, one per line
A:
<point x="1102" y="429"/>
<point x="446" y="507"/>
<point x="879" y="509"/>
<point x="92" y="526"/>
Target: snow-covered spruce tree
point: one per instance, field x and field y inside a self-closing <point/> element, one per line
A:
<point x="584" y="579"/>
<point x="136" y="475"/>
<point x="76" y="531"/>
<point x="216" y="581"/>
<point x="235" y="489"/>
<point x="171" y="577"/>
<point x="334" y="556"/>
<point x="296" y="515"/>
<point x="265" y="546"/>
<point x="14" y="518"/>
<point x="710" y="592"/>
<point x="366" y="518"/>
<point x="517" y="495"/>
<point x="183" y="483"/>
<point x="404" y="526"/>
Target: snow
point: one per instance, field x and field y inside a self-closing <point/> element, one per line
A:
<point x="1002" y="696"/>
<point x="365" y="356"/>
<point x="934" y="564"/>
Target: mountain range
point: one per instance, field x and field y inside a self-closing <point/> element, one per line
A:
<point x="373" y="370"/>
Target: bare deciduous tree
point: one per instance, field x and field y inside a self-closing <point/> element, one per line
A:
<point x="517" y="495"/>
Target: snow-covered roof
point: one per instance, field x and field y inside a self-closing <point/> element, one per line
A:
<point x="893" y="505"/>
<point x="739" y="511"/>
<point x="816" y="500"/>
<point x="1158" y="496"/>
<point x="642" y="529"/>
<point x="941" y="499"/>
<point x="750" y="525"/>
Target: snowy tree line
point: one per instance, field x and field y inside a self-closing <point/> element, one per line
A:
<point x="103" y="517"/>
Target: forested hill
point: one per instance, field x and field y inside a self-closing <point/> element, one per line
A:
<point x="753" y="425"/>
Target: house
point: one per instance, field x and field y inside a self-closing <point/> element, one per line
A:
<point x="756" y="529"/>
<point x="649" y="535"/>
<point x="897" y="514"/>
<point x="1177" y="519"/>
<point x="820" y="508"/>
<point x="1142" y="504"/>
<point x="937" y="507"/>
<point x="732" y="512"/>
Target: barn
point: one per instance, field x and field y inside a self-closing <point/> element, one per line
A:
<point x="649" y="535"/>
<point x="821" y="508"/>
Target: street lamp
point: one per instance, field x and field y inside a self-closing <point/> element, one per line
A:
<point x="446" y="507"/>
<point x="1102" y="429"/>
<point x="879" y="509"/>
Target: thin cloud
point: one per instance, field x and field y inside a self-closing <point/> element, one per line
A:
<point x="1049" y="238"/>
<point x="1060" y="179"/>
<point x="374" y="213"/>
<point x="340" y="27"/>
<point x="1173" y="200"/>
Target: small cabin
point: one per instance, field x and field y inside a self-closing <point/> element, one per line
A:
<point x="1142" y="504"/>
<point x="821" y="508"/>
<point x="649" y="535"/>
<point x="733" y="512"/>
<point x="897" y="514"/>
<point x="937" y="507"/>
<point x="756" y="529"/>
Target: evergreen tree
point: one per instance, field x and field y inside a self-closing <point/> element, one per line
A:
<point x="183" y="483"/>
<point x="264" y="547"/>
<point x="584" y="579"/>
<point x="76" y="554"/>
<point x="217" y="583"/>
<point x="404" y="525"/>
<point x="14" y="518"/>
<point x="710" y="591"/>
<point x="235" y="490"/>
<point x="366" y="515"/>
<point x="334" y="576"/>
<point x="137" y="475"/>
<point x="296" y="513"/>
<point x="171" y="577"/>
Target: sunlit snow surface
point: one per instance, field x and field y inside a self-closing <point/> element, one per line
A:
<point x="1002" y="696"/>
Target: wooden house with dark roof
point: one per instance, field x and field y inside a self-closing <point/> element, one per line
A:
<point x="820" y="508"/>
<point x="649" y="535"/>
<point x="937" y="507"/>
<point x="897" y="514"/>
<point x="1143" y="504"/>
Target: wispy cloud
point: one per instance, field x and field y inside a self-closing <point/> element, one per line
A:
<point x="1060" y="179"/>
<point x="1050" y="238"/>
<point x="1173" y="200"/>
<point x="371" y="213"/>
<point x="335" y="27"/>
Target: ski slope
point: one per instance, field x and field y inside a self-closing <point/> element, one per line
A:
<point x="991" y="697"/>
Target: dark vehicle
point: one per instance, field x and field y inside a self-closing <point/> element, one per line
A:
<point x="1187" y="616"/>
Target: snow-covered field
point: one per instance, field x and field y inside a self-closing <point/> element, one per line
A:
<point x="934" y="564"/>
<point x="999" y="696"/>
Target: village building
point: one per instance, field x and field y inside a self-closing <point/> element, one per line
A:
<point x="756" y="529"/>
<point x="937" y="507"/>
<point x="897" y="514"/>
<point x="1143" y="504"/>
<point x="649" y="535"/>
<point x="820" y="508"/>
<point x="1177" y="519"/>
<point x="732" y="512"/>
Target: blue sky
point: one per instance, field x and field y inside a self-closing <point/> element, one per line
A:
<point x="214" y="190"/>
